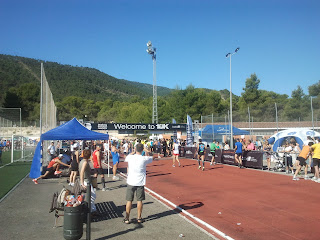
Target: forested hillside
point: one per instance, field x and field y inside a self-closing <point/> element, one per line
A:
<point x="66" y="80"/>
<point x="82" y="91"/>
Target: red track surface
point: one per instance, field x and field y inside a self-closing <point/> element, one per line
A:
<point x="267" y="205"/>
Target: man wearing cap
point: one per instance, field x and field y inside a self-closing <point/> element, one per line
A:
<point x="52" y="167"/>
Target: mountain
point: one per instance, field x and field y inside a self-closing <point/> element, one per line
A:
<point x="67" y="80"/>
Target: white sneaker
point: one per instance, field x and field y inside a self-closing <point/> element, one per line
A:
<point x="287" y="171"/>
<point x="210" y="164"/>
<point x="115" y="178"/>
<point x="173" y="166"/>
<point x="306" y="177"/>
<point x="314" y="179"/>
<point x="295" y="179"/>
<point x="103" y="190"/>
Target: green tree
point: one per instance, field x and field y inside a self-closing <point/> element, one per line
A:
<point x="314" y="90"/>
<point x="297" y="93"/>
<point x="251" y="91"/>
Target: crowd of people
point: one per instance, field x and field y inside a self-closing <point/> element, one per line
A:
<point x="87" y="158"/>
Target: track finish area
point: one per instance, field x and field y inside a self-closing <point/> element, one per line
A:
<point x="242" y="203"/>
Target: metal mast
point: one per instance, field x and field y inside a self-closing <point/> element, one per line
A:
<point x="152" y="51"/>
<point x="231" y="128"/>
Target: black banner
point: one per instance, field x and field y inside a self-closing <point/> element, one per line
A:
<point x="253" y="159"/>
<point x="182" y="151"/>
<point x="228" y="157"/>
<point x="218" y="156"/>
<point x="136" y="126"/>
<point x="190" y="152"/>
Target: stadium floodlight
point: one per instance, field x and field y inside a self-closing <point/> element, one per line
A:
<point x="152" y="51"/>
<point x="231" y="130"/>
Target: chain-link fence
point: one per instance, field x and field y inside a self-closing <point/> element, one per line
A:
<point x="48" y="110"/>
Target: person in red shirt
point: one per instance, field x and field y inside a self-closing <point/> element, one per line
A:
<point x="52" y="168"/>
<point x="96" y="158"/>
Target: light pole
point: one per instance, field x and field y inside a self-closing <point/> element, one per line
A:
<point x="231" y="130"/>
<point x="275" y="104"/>
<point x="152" y="51"/>
<point x="312" y="114"/>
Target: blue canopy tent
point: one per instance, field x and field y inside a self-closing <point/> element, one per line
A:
<point x="72" y="130"/>
<point x="223" y="130"/>
<point x="217" y="131"/>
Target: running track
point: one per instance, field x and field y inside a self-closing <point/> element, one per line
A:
<point x="242" y="203"/>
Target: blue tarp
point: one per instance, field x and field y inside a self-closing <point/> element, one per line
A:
<point x="72" y="130"/>
<point x="223" y="130"/>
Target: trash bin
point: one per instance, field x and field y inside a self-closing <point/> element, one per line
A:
<point x="73" y="222"/>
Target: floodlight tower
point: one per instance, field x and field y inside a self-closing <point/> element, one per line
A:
<point x="231" y="130"/>
<point x="152" y="51"/>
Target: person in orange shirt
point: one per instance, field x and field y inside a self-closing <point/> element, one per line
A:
<point x="52" y="167"/>
<point x="302" y="158"/>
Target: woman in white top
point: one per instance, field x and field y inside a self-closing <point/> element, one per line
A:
<point x="226" y="146"/>
<point x="175" y="151"/>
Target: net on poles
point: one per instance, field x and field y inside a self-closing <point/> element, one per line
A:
<point x="48" y="112"/>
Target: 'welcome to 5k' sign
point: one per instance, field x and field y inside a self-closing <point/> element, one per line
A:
<point x="136" y="126"/>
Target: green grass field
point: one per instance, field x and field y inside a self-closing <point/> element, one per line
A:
<point x="12" y="174"/>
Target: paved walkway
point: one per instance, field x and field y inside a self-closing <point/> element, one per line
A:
<point x="25" y="215"/>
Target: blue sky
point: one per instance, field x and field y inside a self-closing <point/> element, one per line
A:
<point x="278" y="40"/>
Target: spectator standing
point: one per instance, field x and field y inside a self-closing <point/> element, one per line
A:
<point x="238" y="153"/>
<point x="288" y="158"/>
<point x="52" y="150"/>
<point x="1" y="148"/>
<point x="115" y="152"/>
<point x="125" y="147"/>
<point x="251" y="146"/>
<point x="164" y="147"/>
<point x="85" y="174"/>
<point x="136" y="181"/>
<point x="258" y="144"/>
<point x="74" y="165"/>
<point x="106" y="150"/>
<point x="226" y="146"/>
<point x="267" y="150"/>
<point x="296" y="151"/>
<point x="96" y="158"/>
<point x="316" y="161"/>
